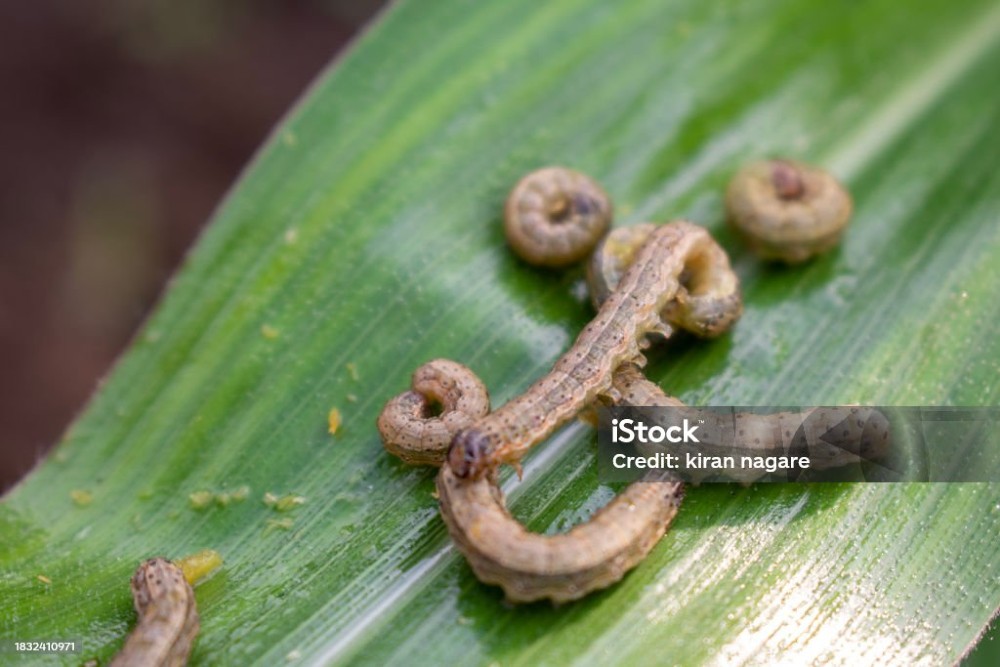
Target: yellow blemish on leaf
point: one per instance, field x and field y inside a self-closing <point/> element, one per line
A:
<point x="334" y="420"/>
<point x="81" y="498"/>
<point x="284" y="503"/>
<point x="351" y="398"/>
<point x="352" y="370"/>
<point x="201" y="499"/>
<point x="42" y="578"/>
<point x="199" y="565"/>
<point x="278" y="524"/>
<point x="288" y="502"/>
<point x="269" y="332"/>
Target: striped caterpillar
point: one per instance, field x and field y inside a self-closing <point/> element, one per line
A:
<point x="677" y="262"/>
<point x="409" y="427"/>
<point x="168" y="618"/>
<point x="704" y="310"/>
<point x="529" y="566"/>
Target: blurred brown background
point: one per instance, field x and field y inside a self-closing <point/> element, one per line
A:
<point x="122" y="124"/>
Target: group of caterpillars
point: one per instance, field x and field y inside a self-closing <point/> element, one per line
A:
<point x="643" y="279"/>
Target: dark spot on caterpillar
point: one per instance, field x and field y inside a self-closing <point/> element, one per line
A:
<point x="583" y="205"/>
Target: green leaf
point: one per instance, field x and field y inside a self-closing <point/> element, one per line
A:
<point x="365" y="240"/>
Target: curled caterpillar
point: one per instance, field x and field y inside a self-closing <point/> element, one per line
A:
<point x="418" y="425"/>
<point x="555" y="216"/>
<point x="168" y="618"/>
<point x="787" y="210"/>
<point x="707" y="303"/>
<point x="529" y="566"/>
<point x="671" y="252"/>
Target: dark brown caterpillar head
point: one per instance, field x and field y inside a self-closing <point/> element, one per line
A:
<point x="786" y="177"/>
<point x="469" y="454"/>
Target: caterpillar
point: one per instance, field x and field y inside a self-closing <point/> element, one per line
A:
<point x="168" y="618"/>
<point x="672" y="252"/>
<point x="597" y="553"/>
<point x="410" y="427"/>
<point x="705" y="309"/>
<point x="555" y="216"/>
<point x="787" y="210"/>
<point x="529" y="566"/>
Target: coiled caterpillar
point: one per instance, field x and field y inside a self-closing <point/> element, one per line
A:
<point x="787" y="210"/>
<point x="555" y="216"/>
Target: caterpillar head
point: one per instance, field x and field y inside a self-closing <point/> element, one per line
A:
<point x="469" y="454"/>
